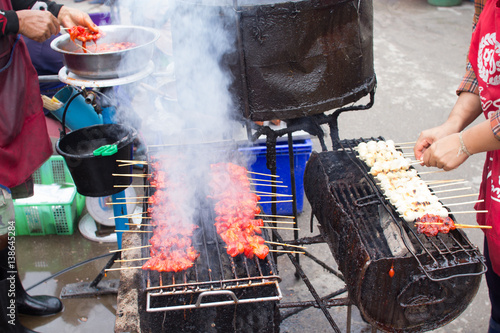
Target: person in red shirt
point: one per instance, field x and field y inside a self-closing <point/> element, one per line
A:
<point x="449" y="145"/>
<point x="24" y="141"/>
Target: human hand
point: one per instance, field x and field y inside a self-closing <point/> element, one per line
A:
<point x="445" y="153"/>
<point x="427" y="138"/>
<point x="38" y="25"/>
<point x="70" y="17"/>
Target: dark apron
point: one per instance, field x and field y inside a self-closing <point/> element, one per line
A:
<point x="24" y="140"/>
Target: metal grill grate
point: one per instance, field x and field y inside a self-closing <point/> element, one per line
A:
<point x="215" y="279"/>
<point x="442" y="257"/>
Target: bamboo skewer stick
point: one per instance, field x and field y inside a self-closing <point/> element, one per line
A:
<point x="266" y="180"/>
<point x="263" y="194"/>
<point x="120" y="268"/>
<point x="285" y="222"/>
<point x="276" y="201"/>
<point x="134" y="186"/>
<point x="469" y="212"/>
<point x="132" y="161"/>
<point x="464" y="203"/>
<point x="83" y="48"/>
<point x="130" y="248"/>
<point x="464" y="226"/>
<point x="282" y="216"/>
<point x="124" y="203"/>
<point x="127" y="164"/>
<point x="453" y="189"/>
<point x="142" y="175"/>
<point x="263" y="174"/>
<point x="461" y="196"/>
<point x="444" y="181"/>
<point x="462" y="212"/>
<point x="146" y="231"/>
<point x="144" y="197"/>
<point x="269" y="185"/>
<point x="139" y="224"/>
<point x="449" y="184"/>
<point x="127" y="216"/>
<point x="287" y="245"/>
<point x="127" y="260"/>
<point x="285" y="251"/>
<point x="282" y="228"/>
<point x="473" y="226"/>
<point x="429" y="172"/>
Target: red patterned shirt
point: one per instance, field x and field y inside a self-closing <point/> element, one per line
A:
<point x="469" y="81"/>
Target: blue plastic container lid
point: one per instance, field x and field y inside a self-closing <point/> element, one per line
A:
<point x="299" y="147"/>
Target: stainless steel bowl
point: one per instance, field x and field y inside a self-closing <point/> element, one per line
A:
<point x="113" y="64"/>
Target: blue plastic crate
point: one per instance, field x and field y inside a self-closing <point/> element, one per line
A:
<point x="301" y="150"/>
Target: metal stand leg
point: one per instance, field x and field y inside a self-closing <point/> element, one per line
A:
<point x="349" y="315"/>
<point x="294" y="193"/>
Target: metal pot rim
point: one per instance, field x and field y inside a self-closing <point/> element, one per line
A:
<point x="63" y="38"/>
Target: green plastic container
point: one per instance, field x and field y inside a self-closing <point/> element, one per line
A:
<point x="445" y="3"/>
<point x="50" y="218"/>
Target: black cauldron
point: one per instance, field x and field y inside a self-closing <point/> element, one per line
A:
<point x="278" y="60"/>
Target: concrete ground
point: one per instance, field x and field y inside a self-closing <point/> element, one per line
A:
<point x="420" y="53"/>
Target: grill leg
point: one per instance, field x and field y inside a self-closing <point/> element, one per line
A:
<point x="348" y="322"/>
<point x="294" y="194"/>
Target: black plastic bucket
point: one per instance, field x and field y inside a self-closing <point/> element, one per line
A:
<point x="93" y="175"/>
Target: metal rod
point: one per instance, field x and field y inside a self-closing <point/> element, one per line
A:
<point x="291" y="158"/>
<point x="309" y="285"/>
<point x="102" y="273"/>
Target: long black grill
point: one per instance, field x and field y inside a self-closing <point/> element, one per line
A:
<point x="216" y="278"/>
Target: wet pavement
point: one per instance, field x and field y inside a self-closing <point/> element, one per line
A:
<point x="419" y="53"/>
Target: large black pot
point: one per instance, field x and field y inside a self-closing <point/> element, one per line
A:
<point x="278" y="60"/>
<point x="93" y="175"/>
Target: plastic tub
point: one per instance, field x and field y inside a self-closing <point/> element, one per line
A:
<point x="302" y="150"/>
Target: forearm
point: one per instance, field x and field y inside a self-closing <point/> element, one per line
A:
<point x="466" y="110"/>
<point x="480" y="138"/>
<point x="11" y="18"/>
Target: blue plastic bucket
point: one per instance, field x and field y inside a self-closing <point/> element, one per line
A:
<point x="79" y="114"/>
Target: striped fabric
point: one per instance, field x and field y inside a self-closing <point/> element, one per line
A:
<point x="469" y="81"/>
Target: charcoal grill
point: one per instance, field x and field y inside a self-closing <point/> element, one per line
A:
<point x="435" y="277"/>
<point x="215" y="280"/>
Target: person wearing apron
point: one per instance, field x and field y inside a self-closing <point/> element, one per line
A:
<point x="450" y="144"/>
<point x="24" y="142"/>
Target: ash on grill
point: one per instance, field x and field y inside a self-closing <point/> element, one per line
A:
<point x="218" y="294"/>
<point x="435" y="278"/>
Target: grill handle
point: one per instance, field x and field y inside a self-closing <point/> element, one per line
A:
<point x="216" y="293"/>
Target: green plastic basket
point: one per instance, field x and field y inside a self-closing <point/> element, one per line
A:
<point x="445" y="3"/>
<point x="50" y="218"/>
